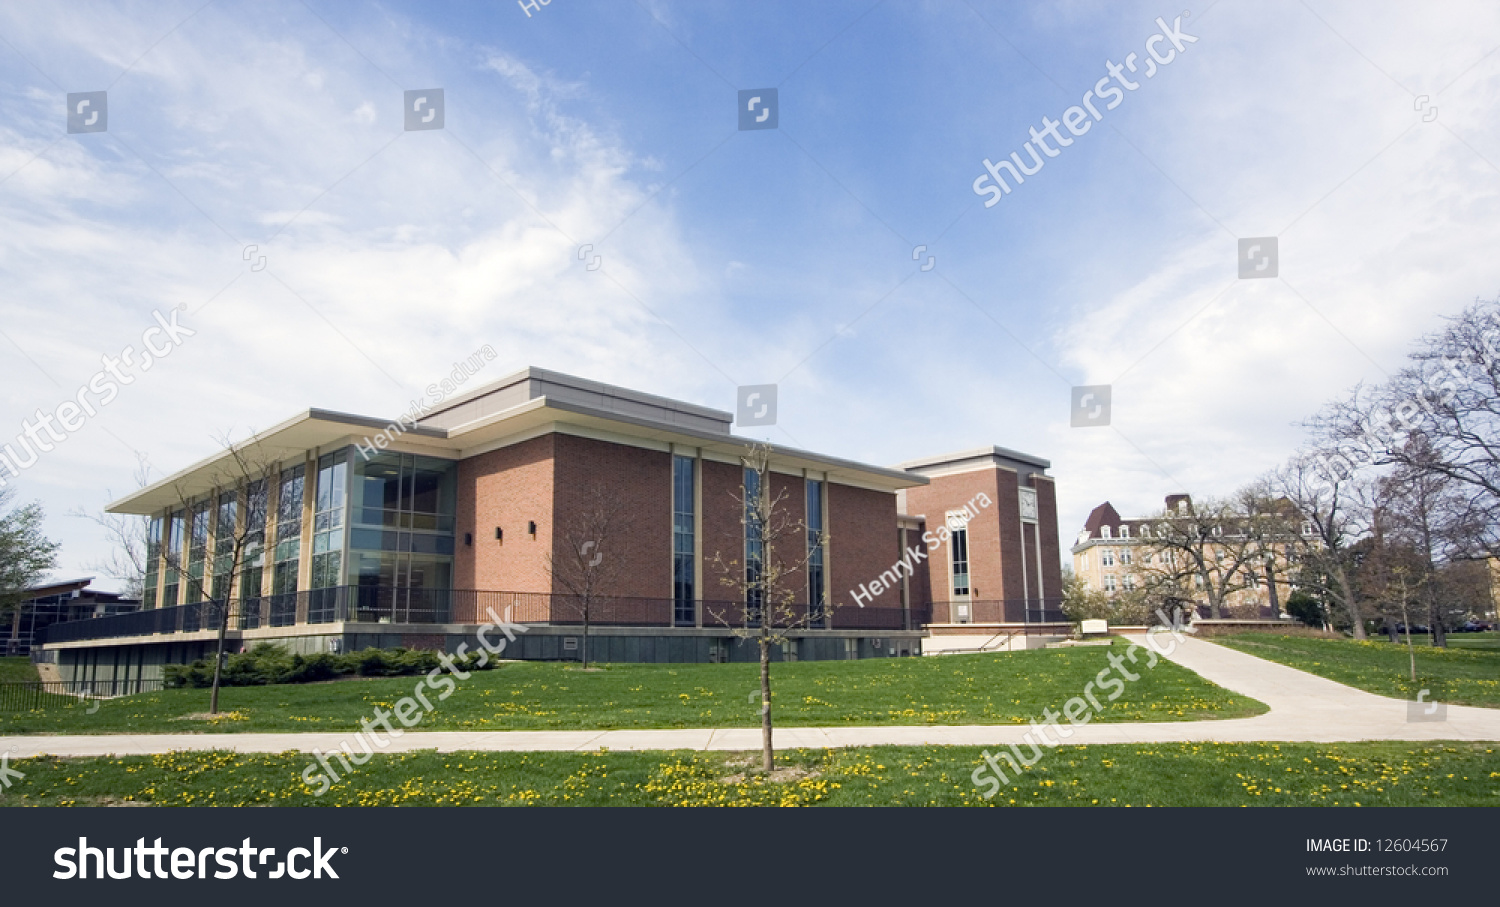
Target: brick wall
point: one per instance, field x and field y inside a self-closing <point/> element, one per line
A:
<point x="640" y="481"/>
<point x="723" y="533"/>
<point x="793" y="549"/>
<point x="1003" y="555"/>
<point x="862" y="543"/>
<point x="1046" y="510"/>
<point x="505" y="488"/>
<point x="987" y="533"/>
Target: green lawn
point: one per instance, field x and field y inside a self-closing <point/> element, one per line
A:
<point x="1464" y="640"/>
<point x="1468" y="673"/>
<point x="1251" y="774"/>
<point x="13" y="669"/>
<point x="1009" y="688"/>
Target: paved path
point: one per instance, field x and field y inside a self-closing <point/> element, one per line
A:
<point x="1304" y="708"/>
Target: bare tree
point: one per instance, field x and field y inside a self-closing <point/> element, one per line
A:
<point x="776" y="547"/>
<point x="1393" y="578"/>
<point x="126" y="533"/>
<point x="1425" y="511"/>
<point x="1449" y="397"/>
<point x="592" y="544"/>
<point x="1335" y="504"/>
<point x="225" y="528"/>
<point x="1210" y="550"/>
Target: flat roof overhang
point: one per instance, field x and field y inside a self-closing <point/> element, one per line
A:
<point x="317" y="429"/>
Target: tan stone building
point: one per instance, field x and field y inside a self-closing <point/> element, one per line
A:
<point x="1115" y="554"/>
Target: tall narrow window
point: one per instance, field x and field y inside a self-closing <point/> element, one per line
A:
<point x="754" y="549"/>
<point x="225" y="529"/>
<point x="153" y="554"/>
<point x="817" y="604"/>
<point x="253" y="559"/>
<point x="288" y="553"/>
<point x="197" y="550"/>
<point x="328" y="537"/>
<point x="683" y="567"/>
<point x="174" y="559"/>
<point x="959" y="548"/>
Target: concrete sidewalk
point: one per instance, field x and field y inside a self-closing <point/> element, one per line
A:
<point x="1304" y="708"/>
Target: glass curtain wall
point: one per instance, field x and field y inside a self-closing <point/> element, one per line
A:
<point x="401" y="537"/>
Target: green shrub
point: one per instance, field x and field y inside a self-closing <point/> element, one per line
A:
<point x="266" y="663"/>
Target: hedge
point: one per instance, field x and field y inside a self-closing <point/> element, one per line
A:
<point x="267" y="663"/>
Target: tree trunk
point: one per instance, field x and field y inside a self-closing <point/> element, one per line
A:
<point x="585" y="642"/>
<point x="768" y="757"/>
<point x="213" y="698"/>
<point x="1351" y="605"/>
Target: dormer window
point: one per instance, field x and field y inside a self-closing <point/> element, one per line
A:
<point x="1145" y="532"/>
<point x="1104" y="532"/>
<point x="1124" y="532"/>
<point x="1307" y="527"/>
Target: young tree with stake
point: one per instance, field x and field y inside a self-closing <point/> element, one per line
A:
<point x="776" y="548"/>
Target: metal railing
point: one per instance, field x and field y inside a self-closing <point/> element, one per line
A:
<point x="28" y="695"/>
<point x="385" y="605"/>
<point x="999" y="611"/>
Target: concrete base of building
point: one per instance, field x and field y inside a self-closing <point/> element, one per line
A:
<point x="950" y="639"/>
<point x="143" y="657"/>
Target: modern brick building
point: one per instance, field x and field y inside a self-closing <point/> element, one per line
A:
<point x="368" y="532"/>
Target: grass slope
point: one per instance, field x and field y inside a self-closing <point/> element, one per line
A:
<point x="1249" y="774"/>
<point x="16" y="669"/>
<point x="1006" y="688"/>
<point x="1463" y="675"/>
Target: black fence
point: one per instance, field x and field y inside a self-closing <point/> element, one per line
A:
<point x="998" y="611"/>
<point x="385" y="605"/>
<point x="28" y="695"/>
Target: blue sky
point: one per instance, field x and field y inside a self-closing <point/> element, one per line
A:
<point x="733" y="257"/>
